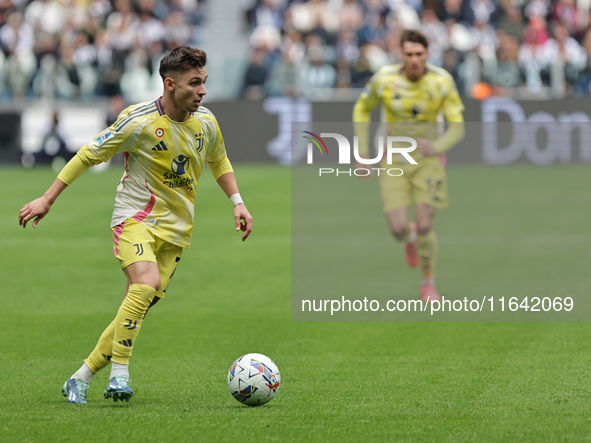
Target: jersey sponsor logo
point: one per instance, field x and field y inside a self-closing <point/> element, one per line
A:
<point x="104" y="137"/>
<point x="160" y="147"/>
<point x="199" y="140"/>
<point x="176" y="181"/>
<point x="159" y="132"/>
<point x="180" y="164"/>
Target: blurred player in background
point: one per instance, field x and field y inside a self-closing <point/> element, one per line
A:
<point x="166" y="144"/>
<point x="413" y="95"/>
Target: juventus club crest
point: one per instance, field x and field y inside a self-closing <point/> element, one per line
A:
<point x="199" y="140"/>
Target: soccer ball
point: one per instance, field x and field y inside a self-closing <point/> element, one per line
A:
<point x="253" y="379"/>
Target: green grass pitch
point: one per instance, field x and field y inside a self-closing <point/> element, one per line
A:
<point x="340" y="381"/>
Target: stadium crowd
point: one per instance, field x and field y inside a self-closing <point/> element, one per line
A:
<point x="78" y="49"/>
<point x="500" y="47"/>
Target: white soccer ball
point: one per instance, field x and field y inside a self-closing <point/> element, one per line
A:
<point x="253" y="379"/>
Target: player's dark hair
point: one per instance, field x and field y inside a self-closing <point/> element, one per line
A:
<point x="180" y="60"/>
<point x="410" y="35"/>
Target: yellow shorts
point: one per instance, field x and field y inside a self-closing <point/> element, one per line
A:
<point x="133" y="242"/>
<point x="425" y="183"/>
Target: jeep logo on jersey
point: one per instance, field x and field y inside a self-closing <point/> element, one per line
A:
<point x="180" y="164"/>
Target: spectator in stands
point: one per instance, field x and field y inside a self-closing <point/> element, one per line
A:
<point x="267" y="13"/>
<point x="565" y="12"/>
<point x="149" y="29"/>
<point x="374" y="30"/>
<point x="76" y="49"/>
<point x="343" y="76"/>
<point x="178" y="31"/>
<point x="45" y="15"/>
<point x="284" y="79"/>
<point x="99" y="10"/>
<point x="16" y="41"/>
<point x="537" y="8"/>
<point x="318" y="76"/>
<point x="294" y="44"/>
<point x="533" y="61"/>
<point x="508" y="72"/>
<point x="351" y="15"/>
<point x="361" y="70"/>
<point x="484" y="39"/>
<point x="511" y="20"/>
<point x="316" y="16"/>
<point x="457" y="11"/>
<point x="108" y="72"/>
<point x="347" y="47"/>
<point x="53" y="144"/>
<point x="122" y="27"/>
<point x="435" y="32"/>
<point x="568" y="51"/>
<point x="484" y="11"/>
<point x="451" y="62"/>
<point x="116" y="106"/>
<point x="538" y="28"/>
<point x="68" y="80"/>
<point x="255" y="76"/>
<point x="6" y="8"/>
<point x="378" y="7"/>
<point x="583" y="84"/>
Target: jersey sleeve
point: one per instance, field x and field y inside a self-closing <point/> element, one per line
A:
<point x="215" y="156"/>
<point x="453" y="109"/>
<point x="366" y="103"/>
<point x="122" y="136"/>
<point x="452" y="105"/>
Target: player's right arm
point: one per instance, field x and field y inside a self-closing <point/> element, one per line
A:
<point x="39" y="208"/>
<point x="121" y="136"/>
<point x="364" y="105"/>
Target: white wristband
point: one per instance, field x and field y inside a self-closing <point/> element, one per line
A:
<point x="236" y="198"/>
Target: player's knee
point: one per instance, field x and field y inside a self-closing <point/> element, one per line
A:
<point x="399" y="232"/>
<point x="155" y="283"/>
<point x="150" y="280"/>
<point x="424" y="228"/>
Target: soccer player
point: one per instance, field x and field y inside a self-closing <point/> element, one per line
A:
<point x="166" y="143"/>
<point x="413" y="95"/>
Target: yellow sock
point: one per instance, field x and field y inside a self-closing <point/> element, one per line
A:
<point x="100" y="357"/>
<point x="406" y="237"/>
<point x="129" y="319"/>
<point x="427" y="250"/>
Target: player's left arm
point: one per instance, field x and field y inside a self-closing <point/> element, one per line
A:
<point x="453" y="109"/>
<point x="221" y="168"/>
<point x="242" y="217"/>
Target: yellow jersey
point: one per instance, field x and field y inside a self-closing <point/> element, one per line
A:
<point x="411" y="108"/>
<point x="163" y="162"/>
